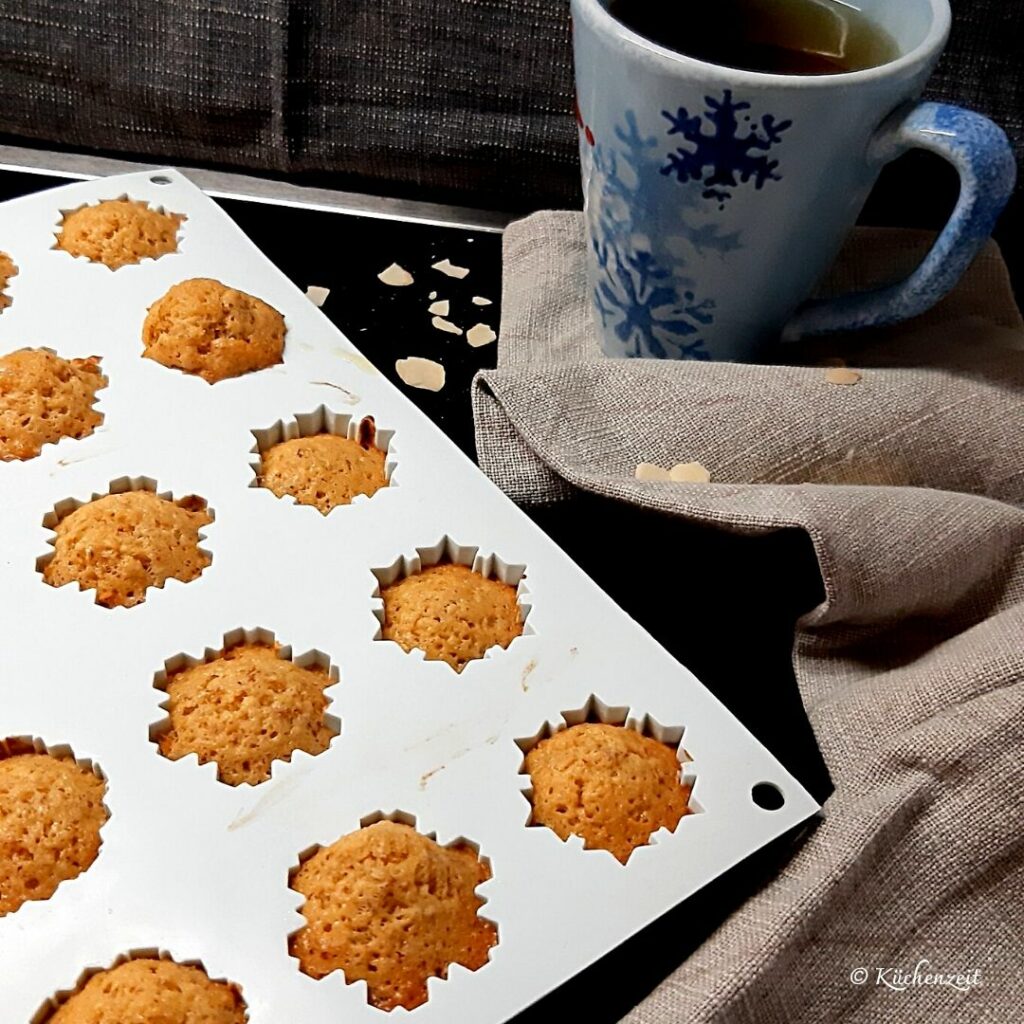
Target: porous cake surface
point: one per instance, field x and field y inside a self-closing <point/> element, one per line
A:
<point x="153" y="992"/>
<point x="393" y="908"/>
<point x="451" y="613"/>
<point x="323" y="470"/>
<point x="207" y="328"/>
<point x="43" y="398"/>
<point x="7" y="271"/>
<point x="51" y="813"/>
<point x="122" y="544"/>
<point x="244" y="710"/>
<point x="117" y="232"/>
<point x="612" y="786"/>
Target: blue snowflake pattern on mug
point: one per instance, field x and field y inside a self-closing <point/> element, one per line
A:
<point x="727" y="156"/>
<point x="652" y="310"/>
<point x="638" y="301"/>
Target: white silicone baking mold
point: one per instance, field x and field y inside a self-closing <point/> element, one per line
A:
<point x="200" y="870"/>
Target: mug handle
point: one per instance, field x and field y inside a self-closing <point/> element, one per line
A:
<point x="981" y="154"/>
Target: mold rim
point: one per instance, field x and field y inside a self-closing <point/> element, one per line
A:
<point x="447" y="550"/>
<point x="323" y="420"/>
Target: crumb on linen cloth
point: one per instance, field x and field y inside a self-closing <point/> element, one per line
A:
<point x="417" y="372"/>
<point x="681" y="472"/>
<point x="842" y="375"/>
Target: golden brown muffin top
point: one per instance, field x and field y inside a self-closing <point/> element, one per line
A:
<point x="122" y="544"/>
<point x="44" y="398"/>
<point x="451" y="613"/>
<point x="117" y="232"/>
<point x="393" y="908"/>
<point x="323" y="470"/>
<point x="205" y="327"/>
<point x="154" y="992"/>
<point x="245" y="709"/>
<point x="610" y="785"/>
<point x="7" y="271"/>
<point x="51" y="813"/>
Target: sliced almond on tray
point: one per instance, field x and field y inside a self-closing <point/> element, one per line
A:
<point x="417" y="372"/>
<point x="449" y="268"/>
<point x="480" y="334"/>
<point x="446" y="325"/>
<point x="396" y="276"/>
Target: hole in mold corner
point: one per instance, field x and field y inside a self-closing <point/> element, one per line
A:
<point x="236" y="706"/>
<point x="114" y="247"/>
<point x="314" y="944"/>
<point x="306" y="485"/>
<point x="160" y="179"/>
<point x="46" y="1012"/>
<point x="768" y="796"/>
<point x="176" y="543"/>
<point x="76" y="797"/>
<point x="414" y="598"/>
<point x="623" y="812"/>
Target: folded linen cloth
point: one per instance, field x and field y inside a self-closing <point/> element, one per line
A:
<point x="910" y="484"/>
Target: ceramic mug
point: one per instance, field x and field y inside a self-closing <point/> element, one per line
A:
<point x="717" y="198"/>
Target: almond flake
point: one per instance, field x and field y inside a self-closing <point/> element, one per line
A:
<point x="449" y="268"/>
<point x="649" y="471"/>
<point x="432" y="296"/>
<point x="439" y="308"/>
<point x="420" y="373"/>
<point x="690" y="473"/>
<point x="480" y="334"/>
<point x="841" y="375"/>
<point x="479" y="300"/>
<point x="317" y="295"/>
<point x="396" y="276"/>
<point x="446" y="325"/>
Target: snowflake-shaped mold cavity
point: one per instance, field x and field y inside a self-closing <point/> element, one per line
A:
<point x="52" y="812"/>
<point x="606" y="779"/>
<point x="324" y="459"/>
<point x="141" y="985"/>
<point x="8" y="270"/>
<point x="118" y="232"/>
<point x="46" y="399"/>
<point x="125" y="541"/>
<point x="392" y="910"/>
<point x="452" y="604"/>
<point x="245" y="707"/>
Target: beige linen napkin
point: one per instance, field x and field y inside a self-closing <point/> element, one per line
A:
<point x="910" y="485"/>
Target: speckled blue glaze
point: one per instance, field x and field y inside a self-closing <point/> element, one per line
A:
<point x="717" y="198"/>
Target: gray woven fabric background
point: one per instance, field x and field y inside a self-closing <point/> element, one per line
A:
<point x="464" y="100"/>
<point x="910" y="486"/>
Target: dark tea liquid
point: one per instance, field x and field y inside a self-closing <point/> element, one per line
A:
<point x="784" y="37"/>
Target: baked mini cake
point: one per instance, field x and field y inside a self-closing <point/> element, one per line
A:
<point x="245" y="709"/>
<point x="122" y="544"/>
<point x="44" y="398"/>
<point x="451" y="613"/>
<point x="323" y="470"/>
<point x="156" y="991"/>
<point x="51" y="813"/>
<point x="117" y="232"/>
<point x="391" y="907"/>
<point x="206" y="328"/>
<point x="611" y="786"/>
<point x="7" y="271"/>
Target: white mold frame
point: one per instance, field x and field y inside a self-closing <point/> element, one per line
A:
<point x="236" y="638"/>
<point x="201" y="869"/>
